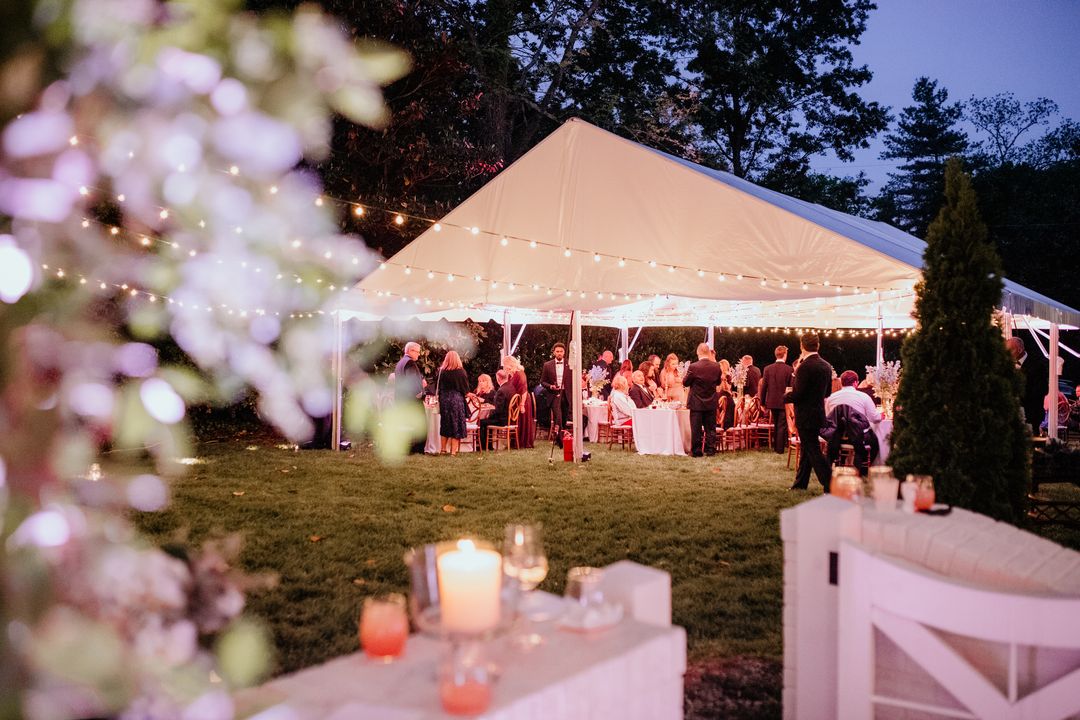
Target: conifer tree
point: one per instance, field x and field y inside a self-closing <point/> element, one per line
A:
<point x="958" y="409"/>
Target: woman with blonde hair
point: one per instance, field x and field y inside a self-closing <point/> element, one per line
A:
<point x="671" y="378"/>
<point x="453" y="386"/>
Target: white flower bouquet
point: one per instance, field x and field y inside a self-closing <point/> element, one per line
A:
<point x="597" y="377"/>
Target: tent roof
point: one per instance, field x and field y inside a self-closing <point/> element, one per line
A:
<point x="629" y="235"/>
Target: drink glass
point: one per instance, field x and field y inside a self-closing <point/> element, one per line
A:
<point x="583" y="586"/>
<point x="845" y="483"/>
<point x="465" y="680"/>
<point x="885" y="488"/>
<point x="924" y="491"/>
<point x="525" y="562"/>
<point x="384" y="626"/>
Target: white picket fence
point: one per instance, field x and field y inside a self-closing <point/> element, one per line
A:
<point x="934" y="620"/>
<point x="908" y="617"/>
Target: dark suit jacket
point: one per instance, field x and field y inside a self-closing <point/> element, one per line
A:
<point x="809" y="388"/>
<point x="610" y="370"/>
<point x="641" y="397"/>
<point x="501" y="413"/>
<point x="701" y="380"/>
<point x="774" y="383"/>
<point x="1036" y="372"/>
<point x="753" y="377"/>
<point x="549" y="381"/>
<point x="408" y="380"/>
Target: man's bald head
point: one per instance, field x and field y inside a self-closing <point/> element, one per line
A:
<point x="1015" y="346"/>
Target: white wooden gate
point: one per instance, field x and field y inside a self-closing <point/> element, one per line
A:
<point x="993" y="654"/>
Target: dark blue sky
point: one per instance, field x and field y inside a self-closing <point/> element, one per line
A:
<point x="972" y="47"/>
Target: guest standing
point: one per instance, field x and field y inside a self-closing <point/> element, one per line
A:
<point x="671" y="381"/>
<point x="774" y="383"/>
<point x="701" y="381"/>
<point x="556" y="379"/>
<point x="1036" y="381"/>
<point x="810" y="386"/>
<point x="753" y="376"/>
<point x="453" y="386"/>
<point x="527" y="418"/>
<point x="409" y="384"/>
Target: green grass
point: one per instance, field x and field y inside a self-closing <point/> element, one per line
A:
<point x="713" y="524"/>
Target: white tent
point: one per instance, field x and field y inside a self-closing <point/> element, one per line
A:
<point x="628" y="236"/>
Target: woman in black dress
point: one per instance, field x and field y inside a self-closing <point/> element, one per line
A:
<point x="453" y="386"/>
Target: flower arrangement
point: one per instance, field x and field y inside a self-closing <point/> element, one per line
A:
<point x="597" y="377"/>
<point x="885" y="383"/>
<point x="683" y="368"/>
<point x="738" y="375"/>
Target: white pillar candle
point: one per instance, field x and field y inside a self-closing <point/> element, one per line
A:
<point x="469" y="584"/>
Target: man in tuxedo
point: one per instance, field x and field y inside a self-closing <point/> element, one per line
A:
<point x="753" y="376"/>
<point x="774" y="383"/>
<point x="639" y="393"/>
<point x="557" y="381"/>
<point x="409" y="384"/>
<point x="607" y="361"/>
<point x="1036" y="380"/>
<point x="810" y="386"/>
<point x="501" y="414"/>
<point x="701" y="380"/>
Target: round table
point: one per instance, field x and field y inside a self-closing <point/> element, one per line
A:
<point x="883" y="430"/>
<point x="432" y="446"/>
<point x="661" y="431"/>
<point x="597" y="412"/>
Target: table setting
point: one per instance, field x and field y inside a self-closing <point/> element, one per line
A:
<point x="488" y="644"/>
<point x="663" y="428"/>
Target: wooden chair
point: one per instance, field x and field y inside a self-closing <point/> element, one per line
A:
<point x="510" y="430"/>
<point x="794" y="444"/>
<point x="622" y="434"/>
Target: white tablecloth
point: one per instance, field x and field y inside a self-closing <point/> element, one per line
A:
<point x="432" y="415"/>
<point x="883" y="430"/>
<point x="597" y="414"/>
<point x="632" y="671"/>
<point x="660" y="432"/>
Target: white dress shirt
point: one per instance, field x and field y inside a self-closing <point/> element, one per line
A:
<point x="855" y="398"/>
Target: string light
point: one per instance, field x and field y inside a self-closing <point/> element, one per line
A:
<point x="164" y="214"/>
<point x="596" y="257"/>
<point x="399" y="219"/>
<point x="273" y="191"/>
<point x="358" y="211"/>
<point x="566" y="252"/>
<point x="437" y="227"/>
<point x="503" y="241"/>
<point x="532" y="244"/>
<point x="234" y="171"/>
<point x="622" y="262"/>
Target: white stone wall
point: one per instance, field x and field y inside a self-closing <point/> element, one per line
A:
<point x="962" y="546"/>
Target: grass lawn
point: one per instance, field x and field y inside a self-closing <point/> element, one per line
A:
<point x="335" y="526"/>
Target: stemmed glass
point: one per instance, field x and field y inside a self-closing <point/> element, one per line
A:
<point x="525" y="563"/>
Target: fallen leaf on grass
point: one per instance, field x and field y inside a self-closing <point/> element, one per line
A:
<point x="370" y="562"/>
<point x="315" y="538"/>
<point x="449" y="508"/>
<point x="284" y="470"/>
<point x="252" y="447"/>
<point x="359" y="582"/>
<point x="238" y="493"/>
<point x="724" y="563"/>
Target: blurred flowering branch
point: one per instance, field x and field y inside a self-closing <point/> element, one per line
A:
<point x="186" y="122"/>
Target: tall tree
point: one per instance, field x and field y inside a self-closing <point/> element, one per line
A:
<point x="978" y="452"/>
<point x="926" y="135"/>
<point x="775" y="81"/>
<point x="1005" y="121"/>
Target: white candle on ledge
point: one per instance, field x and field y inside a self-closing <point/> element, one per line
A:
<point x="469" y="583"/>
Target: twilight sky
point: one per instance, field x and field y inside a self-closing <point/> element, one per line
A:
<point x="972" y="47"/>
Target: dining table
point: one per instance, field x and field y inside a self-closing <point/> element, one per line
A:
<point x="662" y="430"/>
<point x="596" y="411"/>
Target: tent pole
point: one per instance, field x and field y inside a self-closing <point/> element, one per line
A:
<point x="575" y="386"/>
<point x="1052" y="387"/>
<point x="335" y="431"/>
<point x="507" y="344"/>
<point x="1007" y="324"/>
<point x="710" y="337"/>
<point x="880" y="333"/>
<point x="624" y="343"/>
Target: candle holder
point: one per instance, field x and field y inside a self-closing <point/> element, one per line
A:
<point x="465" y="679"/>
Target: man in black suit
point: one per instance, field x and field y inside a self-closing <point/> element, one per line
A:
<point x="639" y="393"/>
<point x="607" y="361"/>
<point x="774" y="383"/>
<point x="557" y="380"/>
<point x="501" y="414"/>
<point x="409" y="386"/>
<point x="810" y="386"/>
<point x="753" y="376"/>
<point x="701" y="380"/>
<point x="1036" y="376"/>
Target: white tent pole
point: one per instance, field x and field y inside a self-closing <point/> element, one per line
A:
<point x="633" y="342"/>
<point x="880" y="334"/>
<point x="506" y="343"/>
<point x="1061" y="345"/>
<point x="513" y="348"/>
<point x="1007" y="324"/>
<point x="335" y="432"/>
<point x="575" y="385"/>
<point x="624" y="343"/>
<point x="1052" y="387"/>
<point x="710" y="337"/>
<point x="1035" y="337"/>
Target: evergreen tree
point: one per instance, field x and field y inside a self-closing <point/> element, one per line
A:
<point x="958" y="410"/>
<point x="926" y="135"/>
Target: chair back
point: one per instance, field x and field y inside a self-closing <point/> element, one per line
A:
<point x="789" y="413"/>
<point x="721" y="409"/>
<point x="514" y="410"/>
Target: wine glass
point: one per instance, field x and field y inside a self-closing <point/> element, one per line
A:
<point x="525" y="563"/>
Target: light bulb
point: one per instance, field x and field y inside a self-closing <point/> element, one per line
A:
<point x="437" y="227"/>
<point x="622" y="262"/>
<point x="86" y="223"/>
<point x="191" y="253"/>
<point x="408" y="270"/>
<point x="103" y="286"/>
<point x="358" y="211"/>
<point x="566" y="252"/>
<point x="382" y="266"/>
<point x="701" y="273"/>
<point x="73" y="141"/>
<point x="450" y="277"/>
<point x="763" y="282"/>
<point x="164" y="214"/>
<point x="234" y="170"/>
<point x="84" y="191"/>
<point x="273" y="189"/>
<point x="826" y="283"/>
<point x="430" y="275"/>
<point x="474" y="230"/>
<point x="114" y="231"/>
<point x="145" y="241"/>
<point x="503" y="241"/>
<point x="784" y="284"/>
<point x="652" y="263"/>
<point x="721" y="277"/>
<point x="805" y="286"/>
<point x="399" y="219"/>
<point x="121" y="197"/>
<point x="60" y="273"/>
<point x="596" y="257"/>
<point x="739" y="276"/>
<point x="532" y="244"/>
